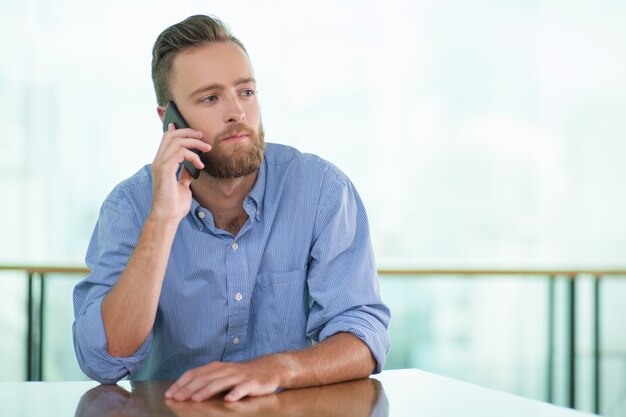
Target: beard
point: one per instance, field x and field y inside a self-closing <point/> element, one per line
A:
<point x="225" y="161"/>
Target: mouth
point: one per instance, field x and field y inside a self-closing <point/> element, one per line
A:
<point x="238" y="137"/>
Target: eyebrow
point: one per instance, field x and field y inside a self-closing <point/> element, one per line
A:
<point x="221" y="86"/>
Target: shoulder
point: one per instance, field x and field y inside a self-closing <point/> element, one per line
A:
<point x="134" y="191"/>
<point x="289" y="161"/>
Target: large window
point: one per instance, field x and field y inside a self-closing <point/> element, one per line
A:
<point x="479" y="134"/>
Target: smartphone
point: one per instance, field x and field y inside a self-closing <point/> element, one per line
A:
<point x="172" y="115"/>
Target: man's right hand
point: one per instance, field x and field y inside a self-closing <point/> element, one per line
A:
<point x="171" y="198"/>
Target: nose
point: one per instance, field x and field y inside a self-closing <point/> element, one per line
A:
<point x="235" y="112"/>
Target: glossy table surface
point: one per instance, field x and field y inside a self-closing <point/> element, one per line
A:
<point x="407" y="392"/>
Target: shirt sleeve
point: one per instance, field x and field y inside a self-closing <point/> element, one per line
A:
<point x="112" y="243"/>
<point x="342" y="278"/>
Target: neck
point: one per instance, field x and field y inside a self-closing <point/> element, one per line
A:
<point x="224" y="198"/>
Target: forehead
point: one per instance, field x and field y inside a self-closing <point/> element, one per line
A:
<point x="215" y="63"/>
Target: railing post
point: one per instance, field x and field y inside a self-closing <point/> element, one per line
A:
<point x="596" y="344"/>
<point x="35" y="331"/>
<point x="572" y="341"/>
<point x="29" y="328"/>
<point x="42" y="294"/>
<point x="550" y="359"/>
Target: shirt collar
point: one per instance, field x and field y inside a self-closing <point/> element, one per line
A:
<point x="252" y="203"/>
<point x="194" y="212"/>
<point x="257" y="194"/>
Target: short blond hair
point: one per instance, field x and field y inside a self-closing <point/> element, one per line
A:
<point x="192" y="32"/>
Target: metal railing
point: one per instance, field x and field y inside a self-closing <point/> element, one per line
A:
<point x="36" y="276"/>
<point x="35" y="303"/>
<point x="552" y="275"/>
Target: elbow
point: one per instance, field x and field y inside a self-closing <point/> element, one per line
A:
<point x="102" y="375"/>
<point x="104" y="380"/>
<point x="372" y="364"/>
<point x="98" y="369"/>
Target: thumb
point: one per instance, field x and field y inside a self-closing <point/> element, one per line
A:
<point x="185" y="178"/>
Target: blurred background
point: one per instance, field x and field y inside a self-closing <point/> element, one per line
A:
<point x="481" y="135"/>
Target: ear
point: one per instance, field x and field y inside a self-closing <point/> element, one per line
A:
<point x="161" y="112"/>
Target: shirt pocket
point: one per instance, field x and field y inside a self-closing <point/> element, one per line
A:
<point x="280" y="306"/>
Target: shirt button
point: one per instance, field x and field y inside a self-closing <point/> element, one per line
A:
<point x="238" y="296"/>
<point x="201" y="214"/>
<point x="236" y="341"/>
<point x="235" y="246"/>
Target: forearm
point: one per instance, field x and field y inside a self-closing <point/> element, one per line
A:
<point x="129" y="310"/>
<point x="341" y="357"/>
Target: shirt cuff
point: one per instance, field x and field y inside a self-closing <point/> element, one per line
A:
<point x="90" y="344"/>
<point x="372" y="333"/>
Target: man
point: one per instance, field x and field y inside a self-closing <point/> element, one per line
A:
<point x="225" y="281"/>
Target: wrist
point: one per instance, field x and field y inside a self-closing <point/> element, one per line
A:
<point x="160" y="228"/>
<point x="287" y="369"/>
<point x="160" y="221"/>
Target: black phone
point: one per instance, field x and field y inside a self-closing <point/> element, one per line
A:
<point x="172" y="115"/>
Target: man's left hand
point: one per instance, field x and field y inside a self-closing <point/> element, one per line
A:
<point x="258" y="377"/>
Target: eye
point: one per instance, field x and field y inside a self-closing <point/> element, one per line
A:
<point x="248" y="92"/>
<point x="209" y="99"/>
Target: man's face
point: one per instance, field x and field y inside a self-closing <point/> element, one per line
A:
<point x="215" y="90"/>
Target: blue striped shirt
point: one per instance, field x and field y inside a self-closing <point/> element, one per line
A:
<point x="301" y="269"/>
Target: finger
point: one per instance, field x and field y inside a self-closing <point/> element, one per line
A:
<point x="181" y="382"/>
<point x="187" y="143"/>
<point x="190" y="391"/>
<point x="189" y="376"/>
<point x="185" y="178"/>
<point x="192" y="157"/>
<point x="169" y="134"/>
<point x="167" y="168"/>
<point x="240" y="391"/>
<point x="181" y="133"/>
<point x="252" y="407"/>
<point x="181" y="155"/>
<point x="215" y="387"/>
